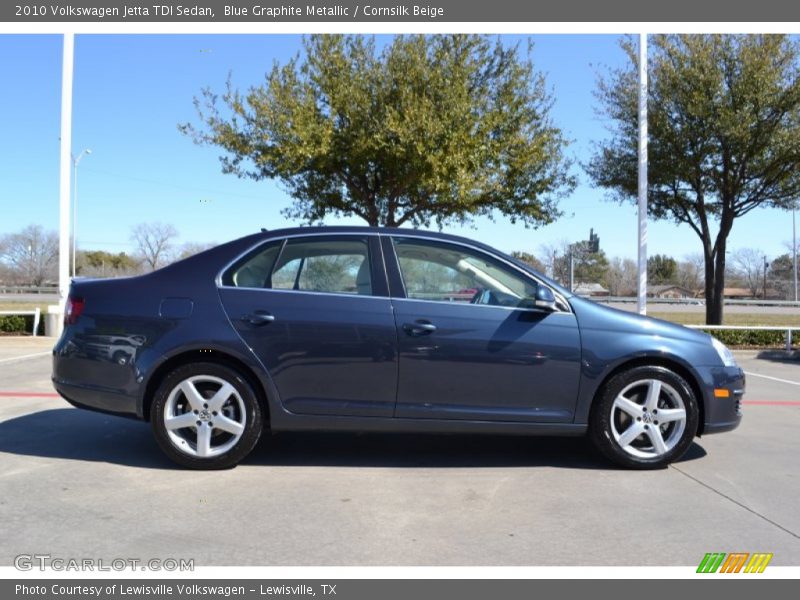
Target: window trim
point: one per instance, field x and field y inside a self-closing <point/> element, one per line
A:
<point x="398" y="274"/>
<point x="380" y="287"/>
<point x="376" y="241"/>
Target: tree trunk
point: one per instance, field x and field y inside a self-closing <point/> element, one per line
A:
<point x="715" y="273"/>
<point x="713" y="300"/>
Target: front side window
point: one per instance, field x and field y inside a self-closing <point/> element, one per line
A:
<point x="448" y="273"/>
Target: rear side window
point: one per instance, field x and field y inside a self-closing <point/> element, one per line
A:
<point x="334" y="265"/>
<point x="253" y="270"/>
<point x="339" y="266"/>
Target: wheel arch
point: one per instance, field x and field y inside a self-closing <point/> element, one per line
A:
<point x="667" y="362"/>
<point x="203" y="355"/>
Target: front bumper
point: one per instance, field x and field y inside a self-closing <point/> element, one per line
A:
<point x="722" y="413"/>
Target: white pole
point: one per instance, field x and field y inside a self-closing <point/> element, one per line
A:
<point x="794" y="249"/>
<point x="64" y="187"/>
<point x="75" y="161"/>
<point x="74" y="210"/>
<point x="642" y="279"/>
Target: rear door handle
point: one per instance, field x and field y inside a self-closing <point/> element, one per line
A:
<point x="419" y="328"/>
<point x="259" y="317"/>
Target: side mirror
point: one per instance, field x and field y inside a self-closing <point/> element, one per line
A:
<point x="544" y="298"/>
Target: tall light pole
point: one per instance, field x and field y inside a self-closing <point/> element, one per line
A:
<point x="63" y="195"/>
<point x="75" y="161"/>
<point x="642" y="277"/>
<point x="794" y="249"/>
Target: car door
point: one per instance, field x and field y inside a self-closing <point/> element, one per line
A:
<point x="315" y="310"/>
<point x="471" y="343"/>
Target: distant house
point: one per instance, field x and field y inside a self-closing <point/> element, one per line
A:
<point x="739" y="293"/>
<point x="736" y="293"/>
<point x="589" y="289"/>
<point x="669" y="291"/>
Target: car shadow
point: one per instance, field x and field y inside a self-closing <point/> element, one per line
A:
<point x="783" y="356"/>
<point x="72" y="434"/>
<point x="406" y="450"/>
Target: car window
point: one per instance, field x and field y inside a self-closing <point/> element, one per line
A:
<point x="338" y="266"/>
<point x="253" y="271"/>
<point x="449" y="273"/>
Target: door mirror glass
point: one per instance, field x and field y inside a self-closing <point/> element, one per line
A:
<point x="544" y="298"/>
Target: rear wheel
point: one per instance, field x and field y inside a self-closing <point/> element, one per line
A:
<point x="206" y="416"/>
<point x="644" y="418"/>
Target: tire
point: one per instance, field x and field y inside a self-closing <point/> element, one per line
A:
<point x="210" y="427"/>
<point x="638" y="407"/>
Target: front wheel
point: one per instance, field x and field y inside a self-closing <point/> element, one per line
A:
<point x="206" y="416"/>
<point x="644" y="418"/>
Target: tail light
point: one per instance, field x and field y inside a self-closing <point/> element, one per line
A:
<point x="73" y="310"/>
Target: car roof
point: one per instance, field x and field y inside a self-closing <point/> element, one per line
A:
<point x="403" y="231"/>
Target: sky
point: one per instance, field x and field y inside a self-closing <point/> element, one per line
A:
<point x="132" y="91"/>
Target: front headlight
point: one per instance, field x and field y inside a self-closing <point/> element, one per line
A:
<point x="725" y="355"/>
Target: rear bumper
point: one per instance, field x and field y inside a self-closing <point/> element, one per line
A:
<point x="722" y="413"/>
<point x="96" y="399"/>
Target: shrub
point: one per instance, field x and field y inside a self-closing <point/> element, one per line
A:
<point x="752" y="337"/>
<point x="13" y="323"/>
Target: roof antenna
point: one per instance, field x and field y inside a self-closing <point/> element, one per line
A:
<point x="264" y="230"/>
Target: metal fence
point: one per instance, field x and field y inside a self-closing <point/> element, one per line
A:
<point x="29" y="289"/>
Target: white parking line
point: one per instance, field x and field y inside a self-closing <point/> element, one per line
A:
<point x="772" y="378"/>
<point x="24" y="356"/>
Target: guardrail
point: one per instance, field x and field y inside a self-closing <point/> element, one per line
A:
<point x="29" y="289"/>
<point x="694" y="301"/>
<point x="36" y="312"/>
<point x="787" y="329"/>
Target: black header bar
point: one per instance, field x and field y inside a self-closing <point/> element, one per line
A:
<point x="398" y="11"/>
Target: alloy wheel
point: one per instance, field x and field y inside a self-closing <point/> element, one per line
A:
<point x="204" y="416"/>
<point x="648" y="418"/>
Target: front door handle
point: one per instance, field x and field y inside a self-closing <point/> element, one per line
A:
<point x="419" y="328"/>
<point x="259" y="317"/>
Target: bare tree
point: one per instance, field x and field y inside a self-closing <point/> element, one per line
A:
<point x="191" y="248"/>
<point x="690" y="271"/>
<point x="621" y="276"/>
<point x="154" y="243"/>
<point x="31" y="255"/>
<point x="551" y="255"/>
<point x="749" y="268"/>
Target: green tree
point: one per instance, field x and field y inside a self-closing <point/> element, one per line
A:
<point x="530" y="259"/>
<point x="724" y="135"/>
<point x="105" y="263"/>
<point x="661" y="269"/>
<point x="429" y="129"/>
<point x="588" y="267"/>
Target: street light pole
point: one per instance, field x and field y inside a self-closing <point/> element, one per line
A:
<point x="642" y="179"/>
<point x="75" y="161"/>
<point x="794" y="249"/>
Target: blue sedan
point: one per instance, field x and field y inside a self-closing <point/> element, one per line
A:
<point x="373" y="329"/>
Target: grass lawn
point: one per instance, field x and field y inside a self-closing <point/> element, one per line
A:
<point x="755" y="319"/>
<point x="24" y="306"/>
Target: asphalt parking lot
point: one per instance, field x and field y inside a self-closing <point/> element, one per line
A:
<point x="79" y="484"/>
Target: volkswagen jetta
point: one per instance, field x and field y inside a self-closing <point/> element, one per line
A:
<point x="372" y="329"/>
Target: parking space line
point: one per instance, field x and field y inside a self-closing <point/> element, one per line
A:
<point x="24" y="356"/>
<point x="789" y="381"/>
<point x="28" y="395"/>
